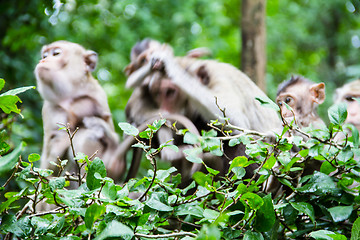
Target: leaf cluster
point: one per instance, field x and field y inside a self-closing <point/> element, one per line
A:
<point x="322" y="204"/>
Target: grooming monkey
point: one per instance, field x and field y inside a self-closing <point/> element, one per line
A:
<point x="196" y="89"/>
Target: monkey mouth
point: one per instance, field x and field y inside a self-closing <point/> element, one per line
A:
<point x="42" y="68"/>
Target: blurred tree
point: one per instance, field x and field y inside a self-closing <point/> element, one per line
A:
<point x="253" y="37"/>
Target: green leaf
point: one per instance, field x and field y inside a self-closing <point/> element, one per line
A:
<point x="340" y="213"/>
<point x="327" y="235"/>
<point x="155" y="203"/>
<point x="304" y="153"/>
<point x="191" y="138"/>
<point x="267" y="102"/>
<point x="2" y="83"/>
<point x="319" y="183"/>
<point x="212" y="171"/>
<point x="355" y="230"/>
<point x="57" y="183"/>
<point x="240" y="161"/>
<point x="192" y="155"/>
<point x="109" y="190"/>
<point x="116" y="229"/>
<point x="211" y="215"/>
<point x="202" y="179"/>
<point x="249" y="235"/>
<point x="34" y="157"/>
<point x="265" y="216"/>
<point x="93" y="213"/>
<point x="305" y="208"/>
<point x="43" y="172"/>
<point x="163" y="174"/>
<point x="270" y="162"/>
<point x="327" y="168"/>
<point x="17" y="91"/>
<point x="239" y="172"/>
<point x="40" y="224"/>
<point x="158" y="124"/>
<point x="96" y="166"/>
<point x="147" y="133"/>
<point x="128" y="129"/>
<point x="209" y="233"/>
<point x="337" y="113"/>
<point x="253" y="200"/>
<point x="8" y="104"/>
<point x="8" y="161"/>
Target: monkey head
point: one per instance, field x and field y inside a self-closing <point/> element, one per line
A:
<point x="303" y="96"/>
<point x="63" y="67"/>
<point x="142" y="52"/>
<point x="348" y="94"/>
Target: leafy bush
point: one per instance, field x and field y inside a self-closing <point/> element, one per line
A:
<point x="322" y="205"/>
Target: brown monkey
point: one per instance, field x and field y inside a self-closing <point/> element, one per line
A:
<point x="71" y="95"/>
<point x="204" y="81"/>
<point x="199" y="87"/>
<point x="303" y="96"/>
<point x="154" y="97"/>
<point x="347" y="94"/>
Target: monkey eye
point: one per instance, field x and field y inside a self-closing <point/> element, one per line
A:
<point x="143" y="60"/>
<point x="56" y="51"/>
<point x="280" y="103"/>
<point x="45" y="54"/>
<point x="349" y="98"/>
<point x="288" y="100"/>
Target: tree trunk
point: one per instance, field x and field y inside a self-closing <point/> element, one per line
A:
<point x="253" y="34"/>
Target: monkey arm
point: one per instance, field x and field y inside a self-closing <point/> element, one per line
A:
<point x="137" y="77"/>
<point x="198" y="94"/>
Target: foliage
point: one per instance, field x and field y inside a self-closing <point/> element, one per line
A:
<point x="322" y="205"/>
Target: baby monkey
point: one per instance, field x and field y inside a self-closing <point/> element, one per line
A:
<point x="303" y="96"/>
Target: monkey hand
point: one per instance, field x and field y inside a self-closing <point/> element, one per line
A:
<point x="97" y="125"/>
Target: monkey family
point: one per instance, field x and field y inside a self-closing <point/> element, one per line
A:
<point x="187" y="90"/>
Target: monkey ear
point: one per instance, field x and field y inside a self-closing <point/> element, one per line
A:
<point x="317" y="92"/>
<point x="91" y="59"/>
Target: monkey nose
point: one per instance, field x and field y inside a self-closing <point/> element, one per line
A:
<point x="42" y="61"/>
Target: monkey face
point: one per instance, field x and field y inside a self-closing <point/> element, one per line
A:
<point x="63" y="68"/>
<point x="353" y="109"/>
<point x="168" y="96"/>
<point x="289" y="100"/>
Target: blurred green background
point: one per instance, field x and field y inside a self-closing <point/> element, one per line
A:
<point x="317" y="39"/>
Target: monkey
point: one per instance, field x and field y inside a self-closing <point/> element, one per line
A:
<point x="303" y="96"/>
<point x="72" y="95"/>
<point x="348" y="93"/>
<point x="199" y="87"/>
<point x="202" y="81"/>
<point x="160" y="97"/>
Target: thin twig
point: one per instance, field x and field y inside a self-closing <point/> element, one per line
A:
<point x="13" y="173"/>
<point x="166" y="235"/>
<point x="71" y="136"/>
<point x="153" y="162"/>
